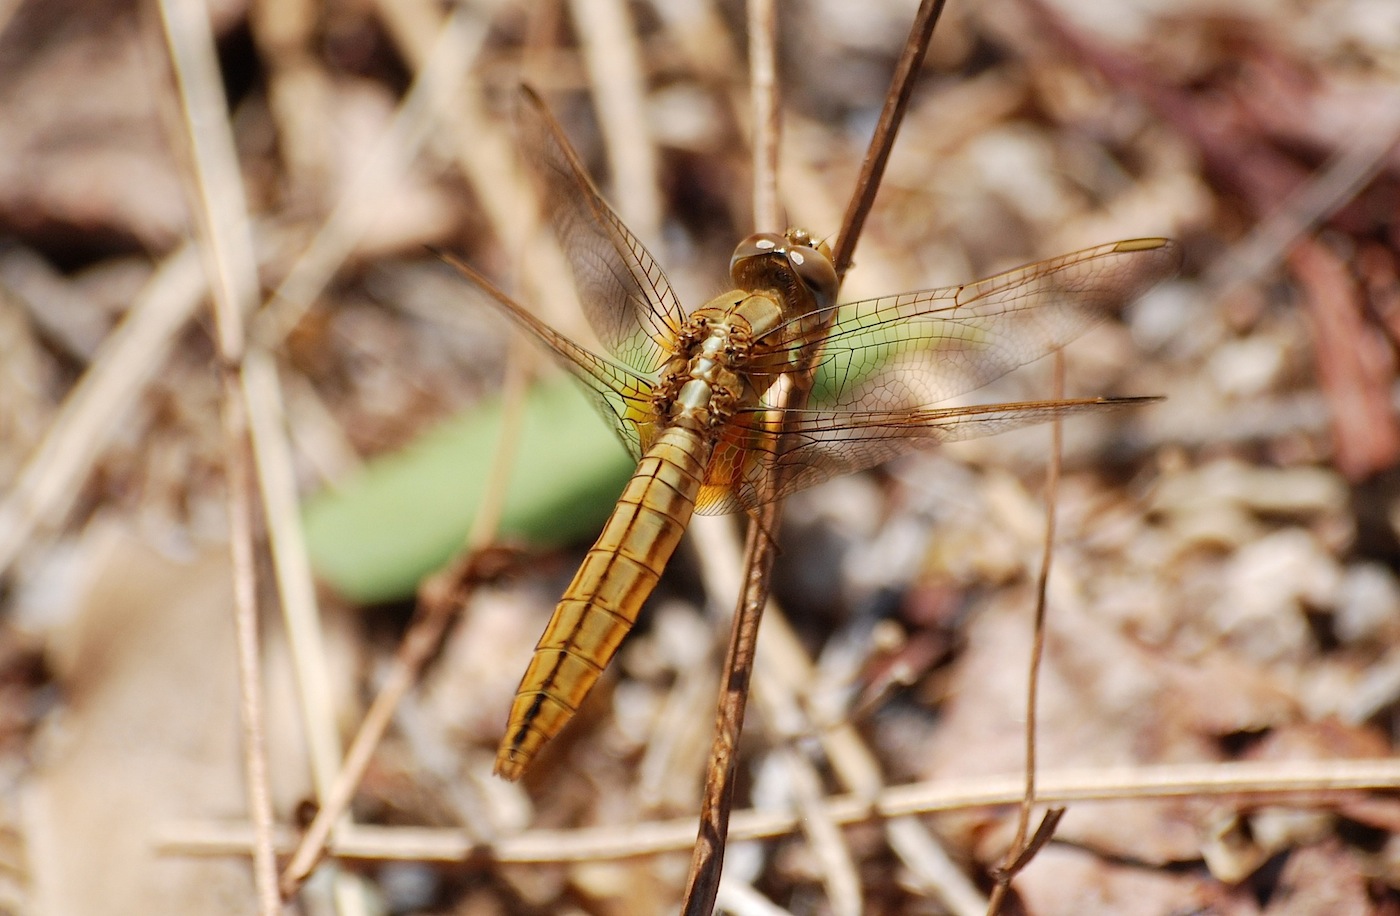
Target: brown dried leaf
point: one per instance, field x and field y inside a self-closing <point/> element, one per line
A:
<point x="82" y="155"/>
<point x="150" y="735"/>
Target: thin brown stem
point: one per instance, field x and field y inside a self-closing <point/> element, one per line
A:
<point x="1020" y="852"/>
<point x="219" y="204"/>
<point x="763" y="93"/>
<point x="436" y="47"/>
<point x="1042" y="835"/>
<point x="1307" y="784"/>
<point x="239" y="468"/>
<point x="707" y="858"/>
<point x="872" y="170"/>
<point x="385" y="162"/>
<point x="783" y="676"/>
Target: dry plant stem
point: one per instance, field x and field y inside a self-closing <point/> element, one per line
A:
<point x="783" y="675"/>
<point x="51" y="479"/>
<point x="1357" y="161"/>
<point x="250" y="706"/>
<point x="1293" y="212"/>
<point x="232" y="269"/>
<point x="481" y="151"/>
<point x="842" y="883"/>
<point x="763" y="96"/>
<point x="332" y="244"/>
<point x="932" y="870"/>
<point x="296" y="592"/>
<point x="1354" y="361"/>
<point x="1043" y="834"/>
<point x="1019" y="854"/>
<point x="878" y="155"/>
<point x="486" y="159"/>
<point x="514" y="388"/>
<point x="456" y="40"/>
<point x="439" y="599"/>
<point x="299" y="89"/>
<point x="295" y="584"/>
<point x="608" y="41"/>
<point x="437" y="45"/>
<point x="780" y="709"/>
<point x="419" y="644"/>
<point x="1302" y="784"/>
<point x="707" y="858"/>
<point x="833" y="855"/>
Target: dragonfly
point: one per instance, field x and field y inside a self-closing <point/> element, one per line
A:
<point x="693" y="395"/>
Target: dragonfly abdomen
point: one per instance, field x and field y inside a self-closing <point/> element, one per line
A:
<point x="601" y="604"/>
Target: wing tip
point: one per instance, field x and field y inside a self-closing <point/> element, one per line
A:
<point x="1168" y="248"/>
<point x="1144" y="244"/>
<point x="1134" y="400"/>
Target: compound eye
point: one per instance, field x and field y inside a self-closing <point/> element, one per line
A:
<point x="754" y="245"/>
<point x="816" y="272"/>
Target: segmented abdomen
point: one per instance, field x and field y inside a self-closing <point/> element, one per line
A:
<point x="602" y="602"/>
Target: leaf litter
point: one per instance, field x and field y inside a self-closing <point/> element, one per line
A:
<point x="1225" y="576"/>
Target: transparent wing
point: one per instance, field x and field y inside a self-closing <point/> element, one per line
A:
<point x="623" y="291"/>
<point x="915" y="350"/>
<point x="621" y="396"/>
<point x="823" y="444"/>
<point x="886" y="363"/>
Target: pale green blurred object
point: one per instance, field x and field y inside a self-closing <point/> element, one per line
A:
<point x="378" y="536"/>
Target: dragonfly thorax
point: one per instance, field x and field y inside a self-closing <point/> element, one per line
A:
<point x="700" y="386"/>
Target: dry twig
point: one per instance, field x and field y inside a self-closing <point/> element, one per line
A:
<point x="229" y="261"/>
<point x="707" y="860"/>
<point x="1019" y="852"/>
<point x="1300" y="783"/>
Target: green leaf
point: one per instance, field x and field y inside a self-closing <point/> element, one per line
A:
<point x="409" y="512"/>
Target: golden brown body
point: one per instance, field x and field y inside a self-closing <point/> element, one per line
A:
<point x="698" y="393"/>
<point x="601" y="604"/>
<point x="687" y="394"/>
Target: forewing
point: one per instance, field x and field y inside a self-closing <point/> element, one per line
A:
<point x="887" y="363"/>
<point x="622" y="397"/>
<point x="623" y="291"/>
<point x="914" y="350"/>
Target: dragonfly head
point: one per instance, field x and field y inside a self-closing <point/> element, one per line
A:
<point x="792" y="263"/>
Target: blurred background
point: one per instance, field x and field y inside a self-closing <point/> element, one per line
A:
<point x="1224" y="584"/>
